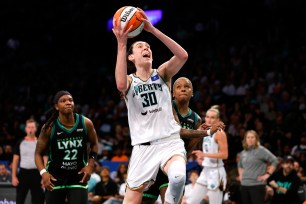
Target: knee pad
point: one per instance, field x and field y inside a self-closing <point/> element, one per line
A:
<point x="177" y="179"/>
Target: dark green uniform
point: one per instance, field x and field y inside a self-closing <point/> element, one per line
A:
<point x="67" y="155"/>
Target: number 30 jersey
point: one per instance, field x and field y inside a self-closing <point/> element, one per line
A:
<point x="149" y="106"/>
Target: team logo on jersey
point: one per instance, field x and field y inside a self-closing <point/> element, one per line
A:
<point x="154" y="78"/>
<point x="190" y="120"/>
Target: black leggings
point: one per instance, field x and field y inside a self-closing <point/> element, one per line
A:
<point x="253" y="194"/>
<point x="67" y="196"/>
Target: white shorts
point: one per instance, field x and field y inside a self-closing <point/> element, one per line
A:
<point x="146" y="160"/>
<point x="213" y="177"/>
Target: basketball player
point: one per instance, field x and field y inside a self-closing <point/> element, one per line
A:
<point x="154" y="132"/>
<point x="190" y="121"/>
<point x="65" y="137"/>
<point x="213" y="176"/>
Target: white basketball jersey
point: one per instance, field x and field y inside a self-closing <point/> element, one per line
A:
<point x="149" y="106"/>
<point x="211" y="146"/>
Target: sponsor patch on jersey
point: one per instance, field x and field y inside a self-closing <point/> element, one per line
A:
<point x="144" y="113"/>
<point x="154" y="78"/>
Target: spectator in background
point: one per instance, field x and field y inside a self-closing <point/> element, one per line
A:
<point x="252" y="168"/>
<point x="122" y="187"/>
<point x="2" y="156"/>
<point x="299" y="170"/>
<point x="285" y="183"/>
<point x="118" y="176"/>
<point x="193" y="176"/>
<point x="300" y="147"/>
<point x="27" y="178"/>
<point x="118" y="199"/>
<point x="106" y="188"/>
<point x="94" y="179"/>
<point x="8" y="152"/>
<point x="5" y="174"/>
<point x="119" y="156"/>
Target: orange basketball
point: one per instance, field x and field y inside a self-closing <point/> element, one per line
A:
<point x="127" y="16"/>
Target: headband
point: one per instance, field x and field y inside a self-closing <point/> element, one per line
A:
<point x="59" y="94"/>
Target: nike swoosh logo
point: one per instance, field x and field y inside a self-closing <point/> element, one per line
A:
<point x="58" y="133"/>
<point x="145" y="113"/>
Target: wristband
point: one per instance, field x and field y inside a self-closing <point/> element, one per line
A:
<point x="42" y="171"/>
<point x="208" y="132"/>
<point x="93" y="155"/>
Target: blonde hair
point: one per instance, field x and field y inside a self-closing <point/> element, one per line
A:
<point x="244" y="143"/>
<point x="215" y="108"/>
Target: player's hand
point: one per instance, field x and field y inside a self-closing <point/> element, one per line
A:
<point x="203" y="126"/>
<point x="47" y="181"/>
<point x="121" y="33"/>
<point x="199" y="161"/>
<point x="87" y="170"/>
<point x="199" y="154"/>
<point x="217" y="126"/>
<point x="147" y="24"/>
<point x="263" y="177"/>
<point x="15" y="181"/>
<point x="221" y="125"/>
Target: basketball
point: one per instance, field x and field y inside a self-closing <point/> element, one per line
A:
<point x="127" y="16"/>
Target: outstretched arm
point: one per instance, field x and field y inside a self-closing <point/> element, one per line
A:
<point x="172" y="66"/>
<point x="121" y="64"/>
<point x="202" y="131"/>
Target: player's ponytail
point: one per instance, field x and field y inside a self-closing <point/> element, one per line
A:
<point x="215" y="108"/>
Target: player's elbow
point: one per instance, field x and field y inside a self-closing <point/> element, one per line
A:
<point x="121" y="87"/>
<point x="225" y="155"/>
<point x="184" y="56"/>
